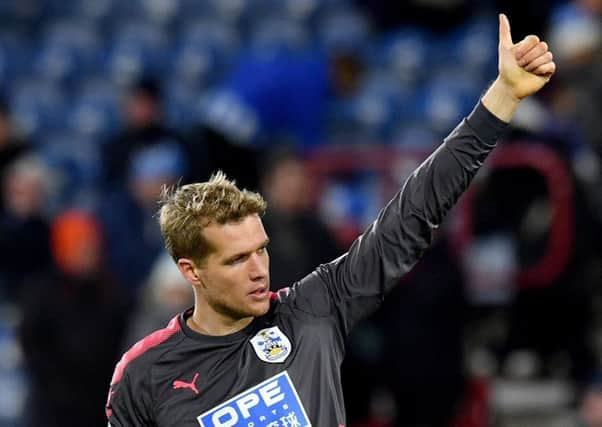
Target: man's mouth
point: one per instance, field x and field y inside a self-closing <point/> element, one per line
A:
<point x="260" y="292"/>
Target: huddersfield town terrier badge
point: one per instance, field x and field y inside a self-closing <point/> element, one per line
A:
<point x="271" y="345"/>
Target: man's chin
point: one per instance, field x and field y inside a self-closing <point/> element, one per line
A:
<point x="260" y="308"/>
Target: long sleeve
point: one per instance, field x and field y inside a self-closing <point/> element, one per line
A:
<point x="129" y="407"/>
<point x="354" y="285"/>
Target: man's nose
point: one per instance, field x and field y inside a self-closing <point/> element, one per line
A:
<point x="258" y="266"/>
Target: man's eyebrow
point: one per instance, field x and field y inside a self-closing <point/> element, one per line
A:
<point x="239" y="254"/>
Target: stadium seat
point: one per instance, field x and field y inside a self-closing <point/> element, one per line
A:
<point x="415" y="135"/>
<point x="443" y="104"/>
<point x="14" y="59"/>
<point x="272" y="35"/>
<point x="158" y="11"/>
<point x="76" y="160"/>
<point x="95" y="110"/>
<point x="226" y="11"/>
<point x="343" y="29"/>
<point x="407" y="53"/>
<point x="38" y="106"/>
<point x="67" y="51"/>
<point x="181" y="102"/>
<point x="137" y="49"/>
<point x="473" y="45"/>
<point x="394" y="97"/>
<point x="203" y="52"/>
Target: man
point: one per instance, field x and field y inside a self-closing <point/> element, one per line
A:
<point x="66" y="358"/>
<point x="290" y="220"/>
<point x="144" y="127"/>
<point x="127" y="215"/>
<point x="246" y="357"/>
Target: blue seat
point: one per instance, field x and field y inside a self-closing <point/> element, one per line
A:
<point x="407" y="53"/>
<point x="181" y="102"/>
<point x="460" y="79"/>
<point x="15" y="59"/>
<point x="194" y="10"/>
<point x="96" y="11"/>
<point x="67" y="51"/>
<point x="443" y="105"/>
<point x="137" y="49"/>
<point x="204" y="51"/>
<point x="353" y="200"/>
<point x="378" y="104"/>
<point x="415" y="134"/>
<point x="273" y="35"/>
<point x="342" y="28"/>
<point x="162" y="12"/>
<point x="38" y="106"/>
<point x="473" y="46"/>
<point x="76" y="160"/>
<point x="95" y="111"/>
<point x="8" y="8"/>
<point x="300" y="11"/>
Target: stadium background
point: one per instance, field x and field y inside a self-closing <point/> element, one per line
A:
<point x="324" y="106"/>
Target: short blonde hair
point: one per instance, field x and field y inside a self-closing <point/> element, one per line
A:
<point x="187" y="210"/>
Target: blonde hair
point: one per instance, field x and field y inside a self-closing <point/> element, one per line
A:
<point x="187" y="210"/>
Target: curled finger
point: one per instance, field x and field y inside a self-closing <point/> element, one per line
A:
<point x="525" y="45"/>
<point x="540" y="60"/>
<point x="538" y="50"/>
<point x="546" y="69"/>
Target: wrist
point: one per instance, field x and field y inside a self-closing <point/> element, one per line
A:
<point x="500" y="100"/>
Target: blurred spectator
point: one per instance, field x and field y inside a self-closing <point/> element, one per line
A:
<point x="212" y="150"/>
<point x="72" y="328"/>
<point x="267" y="98"/>
<point x="24" y="247"/>
<point x="164" y="294"/>
<point x="516" y="230"/>
<point x="591" y="403"/>
<point x="11" y="146"/>
<point x="299" y="240"/>
<point x="128" y="216"/>
<point x="413" y="347"/>
<point x="527" y="16"/>
<point x="144" y="127"/>
<point x="442" y="14"/>
<point x="382" y="410"/>
<point x="576" y="37"/>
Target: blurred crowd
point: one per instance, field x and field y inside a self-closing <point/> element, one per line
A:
<point x="324" y="106"/>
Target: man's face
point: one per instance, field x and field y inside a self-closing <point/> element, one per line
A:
<point x="141" y="110"/>
<point x="287" y="186"/>
<point x="235" y="278"/>
<point x="591" y="408"/>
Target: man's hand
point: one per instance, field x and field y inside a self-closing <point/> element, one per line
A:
<point x="523" y="69"/>
<point x="526" y="66"/>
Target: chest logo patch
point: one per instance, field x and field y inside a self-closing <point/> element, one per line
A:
<point x="271" y="345"/>
<point x="271" y="403"/>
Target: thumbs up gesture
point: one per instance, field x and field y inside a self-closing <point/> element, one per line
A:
<point x="524" y="67"/>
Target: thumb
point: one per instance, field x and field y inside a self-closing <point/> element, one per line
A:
<point x="505" y="36"/>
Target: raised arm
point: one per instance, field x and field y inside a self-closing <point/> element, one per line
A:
<point x="356" y="282"/>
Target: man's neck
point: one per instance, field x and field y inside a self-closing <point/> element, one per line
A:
<point x="215" y="325"/>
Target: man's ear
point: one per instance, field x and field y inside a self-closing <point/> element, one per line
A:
<point x="188" y="269"/>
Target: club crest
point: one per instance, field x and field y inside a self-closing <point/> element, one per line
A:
<point x="271" y="345"/>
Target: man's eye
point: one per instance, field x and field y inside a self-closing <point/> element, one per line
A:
<point x="260" y="251"/>
<point x="237" y="260"/>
